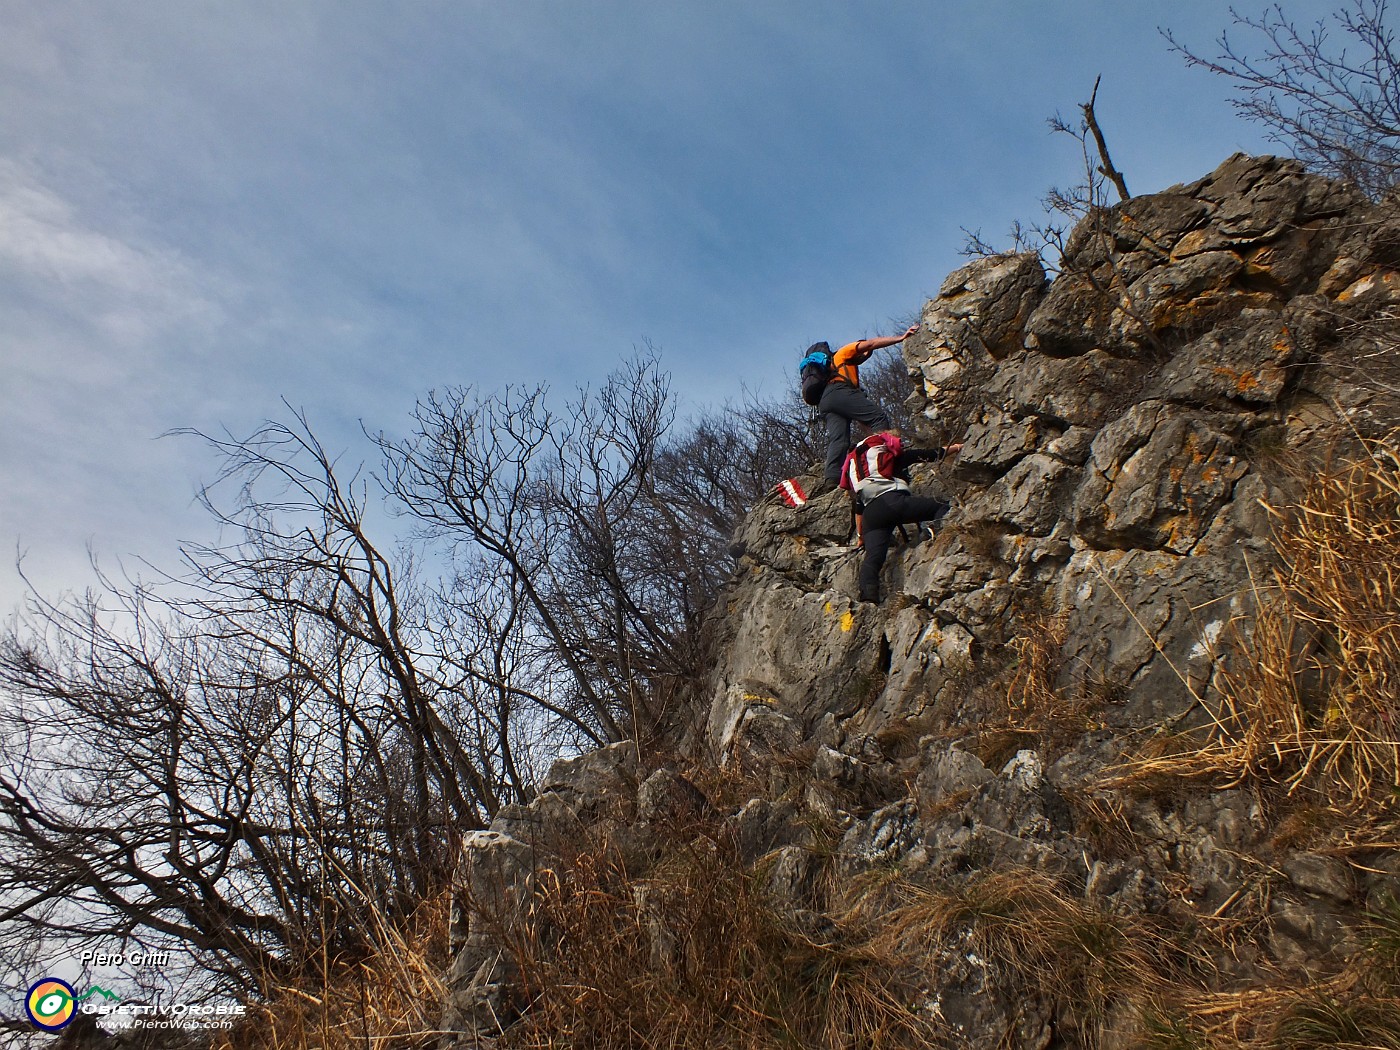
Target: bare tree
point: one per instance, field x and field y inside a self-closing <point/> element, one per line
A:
<point x="724" y="463"/>
<point x="266" y="760"/>
<point x="267" y="755"/>
<point x="612" y="528"/>
<point x="154" y="785"/>
<point x="1089" y="127"/>
<point x="1066" y="208"/>
<point x="484" y="474"/>
<point x="1334" y="103"/>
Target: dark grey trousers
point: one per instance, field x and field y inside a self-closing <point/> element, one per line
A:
<point x="840" y="406"/>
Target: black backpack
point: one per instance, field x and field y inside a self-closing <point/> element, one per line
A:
<point x="815" y="372"/>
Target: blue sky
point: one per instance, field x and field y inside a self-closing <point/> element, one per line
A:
<point x="206" y="208"/>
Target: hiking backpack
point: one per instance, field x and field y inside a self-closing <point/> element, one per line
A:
<point x="871" y="464"/>
<point x="815" y="372"/>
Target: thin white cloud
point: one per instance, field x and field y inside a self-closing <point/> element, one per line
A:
<point x="90" y="322"/>
<point x="64" y="270"/>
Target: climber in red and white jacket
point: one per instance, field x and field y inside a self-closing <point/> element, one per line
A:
<point x="874" y="473"/>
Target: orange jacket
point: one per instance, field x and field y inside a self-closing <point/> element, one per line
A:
<point x="846" y="362"/>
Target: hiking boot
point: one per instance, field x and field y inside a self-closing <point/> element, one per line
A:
<point x="870" y="597"/>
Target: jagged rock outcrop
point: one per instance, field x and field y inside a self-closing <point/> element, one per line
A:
<point x="1123" y="429"/>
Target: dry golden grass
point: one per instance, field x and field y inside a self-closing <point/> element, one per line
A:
<point x="1311" y="712"/>
<point x="1047" y="946"/>
<point x="1035" y="697"/>
<point x="1313" y="696"/>
<point x="1023" y="704"/>
<point x="696" y="953"/>
<point x="1357" y="1009"/>
<point x="389" y="1001"/>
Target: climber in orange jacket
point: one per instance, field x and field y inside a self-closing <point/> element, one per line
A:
<point x="844" y="402"/>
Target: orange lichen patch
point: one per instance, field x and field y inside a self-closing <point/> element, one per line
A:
<point x="1193" y="243"/>
<point x="1182" y="532"/>
<point x="1243" y="382"/>
<point x="1207" y="307"/>
<point x="1387" y="281"/>
<point x="1173" y="533"/>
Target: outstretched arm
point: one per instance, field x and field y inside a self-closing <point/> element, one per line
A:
<point x="869" y="346"/>
<point x="926" y="455"/>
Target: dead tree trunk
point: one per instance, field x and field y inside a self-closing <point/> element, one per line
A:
<point x="1106" y="168"/>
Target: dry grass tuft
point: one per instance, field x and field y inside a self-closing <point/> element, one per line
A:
<point x="697" y="953"/>
<point x="1026" y="705"/>
<point x="394" y="998"/>
<point x="1356" y="1009"/>
<point x="1339" y="1014"/>
<point x="1048" y="946"/>
<point x="1034" y="697"/>
<point x="1315" y="699"/>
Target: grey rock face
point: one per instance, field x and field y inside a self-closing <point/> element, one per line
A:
<point x="1109" y="521"/>
<point x="1110" y="471"/>
<point x="1156" y="479"/>
<point x="495" y="878"/>
<point x="1118" y="427"/>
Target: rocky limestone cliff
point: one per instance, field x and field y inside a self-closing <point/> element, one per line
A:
<point x="1134" y="431"/>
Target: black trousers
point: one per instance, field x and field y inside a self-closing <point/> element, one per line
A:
<point x="842" y="404"/>
<point x="881" y="517"/>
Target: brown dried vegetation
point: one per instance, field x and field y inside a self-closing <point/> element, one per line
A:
<point x="1314" y="699"/>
